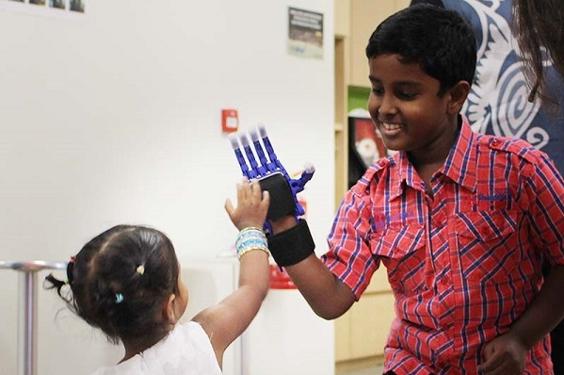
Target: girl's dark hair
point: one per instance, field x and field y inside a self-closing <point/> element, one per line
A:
<point x="439" y="40"/>
<point x="109" y="289"/>
<point x="539" y="24"/>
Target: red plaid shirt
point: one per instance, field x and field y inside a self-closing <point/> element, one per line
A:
<point x="463" y="264"/>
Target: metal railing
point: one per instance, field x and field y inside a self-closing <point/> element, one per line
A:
<point x="27" y="309"/>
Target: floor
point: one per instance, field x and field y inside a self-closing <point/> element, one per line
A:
<point x="373" y="370"/>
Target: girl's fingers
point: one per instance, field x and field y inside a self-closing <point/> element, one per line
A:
<point x="265" y="200"/>
<point x="246" y="189"/>
<point x="240" y="192"/>
<point x="256" y="191"/>
<point x="229" y="208"/>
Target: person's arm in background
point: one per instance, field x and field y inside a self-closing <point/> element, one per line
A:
<point x="228" y="319"/>
<point x="506" y="354"/>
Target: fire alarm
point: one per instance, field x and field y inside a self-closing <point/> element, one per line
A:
<point x="229" y="120"/>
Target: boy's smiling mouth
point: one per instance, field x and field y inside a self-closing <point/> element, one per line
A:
<point x="389" y="129"/>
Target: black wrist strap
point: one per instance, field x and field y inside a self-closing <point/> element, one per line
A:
<point x="281" y="199"/>
<point x="291" y="246"/>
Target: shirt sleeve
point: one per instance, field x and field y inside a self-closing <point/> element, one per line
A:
<point x="546" y="201"/>
<point x="349" y="256"/>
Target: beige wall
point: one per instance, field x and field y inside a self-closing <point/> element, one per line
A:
<point x="365" y="16"/>
<point x="362" y="332"/>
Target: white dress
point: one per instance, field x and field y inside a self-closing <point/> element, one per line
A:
<point x="187" y="350"/>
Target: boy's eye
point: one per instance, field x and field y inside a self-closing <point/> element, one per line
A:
<point x="406" y="95"/>
<point x="378" y="90"/>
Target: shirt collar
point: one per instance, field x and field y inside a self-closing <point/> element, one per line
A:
<point x="460" y="163"/>
<point x="458" y="166"/>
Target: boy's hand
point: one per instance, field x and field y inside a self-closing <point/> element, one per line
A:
<point x="504" y="355"/>
<point x="252" y="206"/>
<point x="283" y="224"/>
<point x="271" y="173"/>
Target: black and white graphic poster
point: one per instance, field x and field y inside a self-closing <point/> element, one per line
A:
<point x="305" y="33"/>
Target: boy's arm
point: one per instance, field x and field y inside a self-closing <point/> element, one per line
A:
<point x="328" y="296"/>
<point x="506" y="354"/>
<point x="546" y="311"/>
<point x="544" y="188"/>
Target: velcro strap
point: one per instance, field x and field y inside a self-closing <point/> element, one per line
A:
<point x="291" y="246"/>
<point x="281" y="198"/>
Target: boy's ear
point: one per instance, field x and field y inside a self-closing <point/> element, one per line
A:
<point x="458" y="94"/>
<point x="169" y="312"/>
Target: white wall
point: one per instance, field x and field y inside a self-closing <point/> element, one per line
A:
<point x="114" y="117"/>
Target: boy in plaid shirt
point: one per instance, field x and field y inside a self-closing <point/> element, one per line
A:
<point x="461" y="221"/>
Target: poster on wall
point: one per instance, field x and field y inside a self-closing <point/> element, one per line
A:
<point x="366" y="147"/>
<point x="59" y="4"/>
<point x="305" y="33"/>
<point x="45" y="7"/>
<point x="77" y="6"/>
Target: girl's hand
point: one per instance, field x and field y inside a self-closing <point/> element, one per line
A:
<point x="252" y="206"/>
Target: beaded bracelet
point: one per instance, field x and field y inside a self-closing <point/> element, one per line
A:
<point x="250" y="239"/>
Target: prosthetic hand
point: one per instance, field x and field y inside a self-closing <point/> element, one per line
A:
<point x="271" y="174"/>
<point x="295" y="244"/>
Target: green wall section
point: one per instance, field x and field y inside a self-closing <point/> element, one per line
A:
<point x="358" y="98"/>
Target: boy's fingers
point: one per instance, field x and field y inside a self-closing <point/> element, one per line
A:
<point x="488" y="351"/>
<point x="492" y="363"/>
<point x="501" y="370"/>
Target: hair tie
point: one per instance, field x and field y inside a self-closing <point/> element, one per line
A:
<point x="140" y="269"/>
<point x="119" y="298"/>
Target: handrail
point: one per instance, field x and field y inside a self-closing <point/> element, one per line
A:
<point x="32" y="265"/>
<point x="27" y="308"/>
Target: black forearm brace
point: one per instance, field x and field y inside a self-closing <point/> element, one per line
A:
<point x="291" y="246"/>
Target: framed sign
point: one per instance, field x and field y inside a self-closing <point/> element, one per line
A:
<point x="305" y="33"/>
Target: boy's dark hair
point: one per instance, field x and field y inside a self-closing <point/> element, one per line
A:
<point x="110" y="290"/>
<point x="439" y="40"/>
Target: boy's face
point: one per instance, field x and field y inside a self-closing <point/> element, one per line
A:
<point x="405" y="107"/>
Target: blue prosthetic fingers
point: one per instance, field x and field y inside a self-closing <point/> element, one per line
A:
<point x="270" y="173"/>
